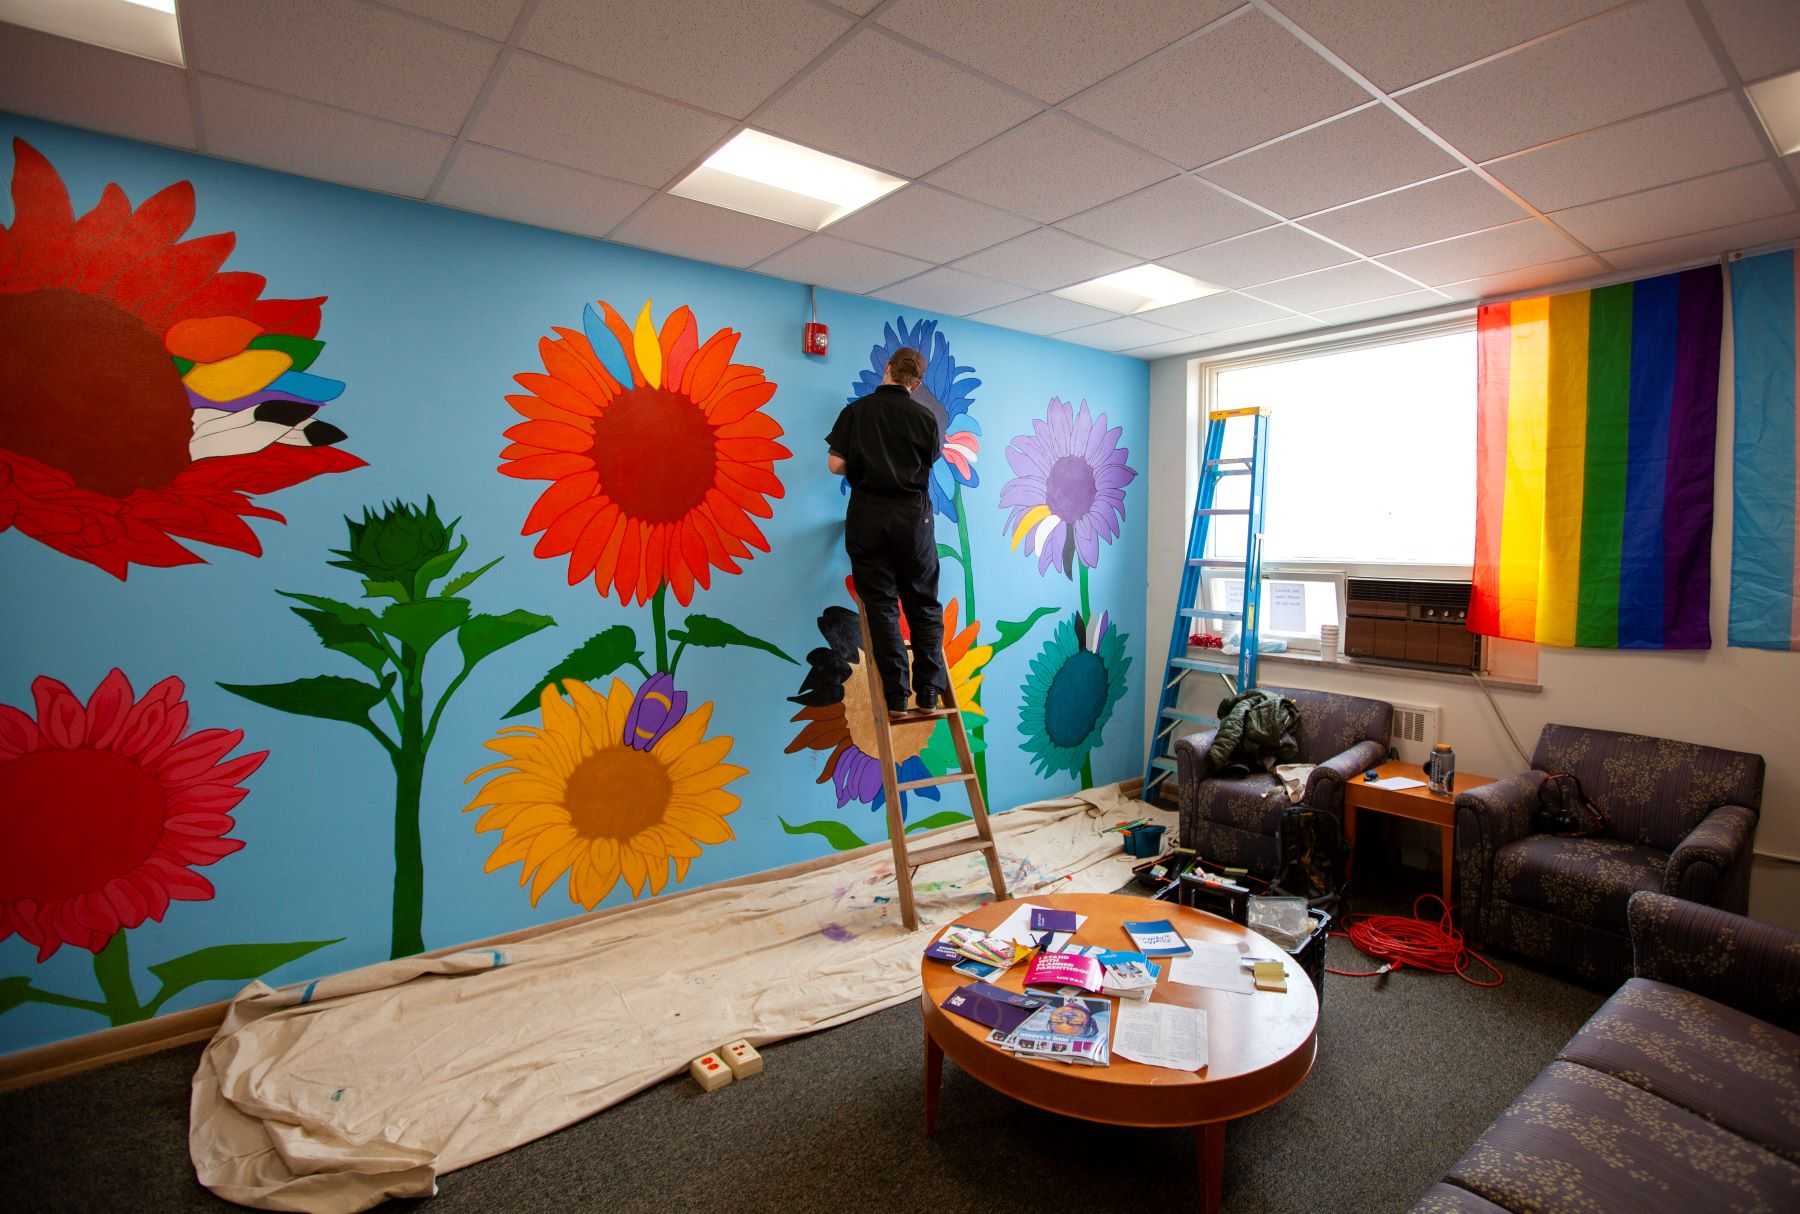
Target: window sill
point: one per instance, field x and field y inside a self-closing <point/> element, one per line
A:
<point x="1359" y="666"/>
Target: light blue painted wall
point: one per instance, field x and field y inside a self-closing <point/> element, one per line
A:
<point x="431" y="312"/>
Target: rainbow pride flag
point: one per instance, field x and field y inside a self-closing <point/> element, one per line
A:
<point x="1597" y="412"/>
<point x="1765" y="457"/>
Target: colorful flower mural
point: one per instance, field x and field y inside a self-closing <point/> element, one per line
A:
<point x="399" y="552"/>
<point x="149" y="394"/>
<point x="620" y="786"/>
<point x="658" y="454"/>
<point x="1075" y="681"/>
<point x="110" y="807"/>
<point x="948" y="392"/>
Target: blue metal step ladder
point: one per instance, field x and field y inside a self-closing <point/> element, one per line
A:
<point x="1239" y="673"/>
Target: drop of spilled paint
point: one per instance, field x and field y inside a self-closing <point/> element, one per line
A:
<point x="837" y="932"/>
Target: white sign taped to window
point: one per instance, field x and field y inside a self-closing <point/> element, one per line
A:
<point x="1287" y="606"/>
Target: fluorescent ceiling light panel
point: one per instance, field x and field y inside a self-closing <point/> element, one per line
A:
<point x="1777" y="102"/>
<point x="146" y="28"/>
<point x="1138" y="289"/>
<point x="761" y="175"/>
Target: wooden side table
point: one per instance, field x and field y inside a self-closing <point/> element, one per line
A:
<point x="1419" y="804"/>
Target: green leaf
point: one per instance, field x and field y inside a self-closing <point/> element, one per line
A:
<point x="947" y="553"/>
<point x="437" y="567"/>
<point x="352" y="640"/>
<point x="948" y="817"/>
<point x="303" y="350"/>
<point x="386" y="590"/>
<point x="707" y="633"/>
<point x="594" y="658"/>
<point x="839" y="836"/>
<point x="233" y="962"/>
<point x="329" y="697"/>
<point x="349" y="613"/>
<point x="424" y="623"/>
<point x="1013" y="631"/>
<point x="12" y="992"/>
<point x="463" y="581"/>
<point x="182" y="365"/>
<point x="487" y="634"/>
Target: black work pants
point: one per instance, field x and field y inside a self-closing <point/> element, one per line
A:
<point x="893" y="559"/>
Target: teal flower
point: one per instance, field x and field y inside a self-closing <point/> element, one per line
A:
<point x="1075" y="681"/>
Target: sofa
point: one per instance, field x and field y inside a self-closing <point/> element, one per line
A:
<point x="1682" y="1093"/>
<point x="1681" y="818"/>
<point x="1233" y="820"/>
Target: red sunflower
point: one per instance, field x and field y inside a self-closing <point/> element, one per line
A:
<point x="657" y="459"/>
<point x="109" y="806"/>
<point x="146" y="394"/>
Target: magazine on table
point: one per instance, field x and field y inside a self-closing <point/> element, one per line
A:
<point x="1157" y="938"/>
<point x="1127" y="975"/>
<point x="1066" y="1029"/>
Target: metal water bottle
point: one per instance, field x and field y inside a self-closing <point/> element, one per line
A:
<point x="1440" y="769"/>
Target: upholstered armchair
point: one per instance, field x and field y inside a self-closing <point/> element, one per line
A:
<point x="1680" y="818"/>
<point x="1233" y="820"/>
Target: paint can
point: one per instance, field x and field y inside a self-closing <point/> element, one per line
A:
<point x="1144" y="841"/>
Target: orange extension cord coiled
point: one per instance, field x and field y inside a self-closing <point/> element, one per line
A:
<point x="1401" y="940"/>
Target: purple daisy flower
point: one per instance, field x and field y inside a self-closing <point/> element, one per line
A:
<point x="1068" y="491"/>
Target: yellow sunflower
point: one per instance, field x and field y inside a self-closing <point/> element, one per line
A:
<point x="611" y="786"/>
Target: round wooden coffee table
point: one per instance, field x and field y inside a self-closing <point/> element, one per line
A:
<point x="1259" y="1046"/>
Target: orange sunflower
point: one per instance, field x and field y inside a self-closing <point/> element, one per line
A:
<point x="146" y="394"/>
<point x="109" y="807"/>
<point x="656" y="451"/>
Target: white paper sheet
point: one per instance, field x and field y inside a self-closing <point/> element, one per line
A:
<point x="1161" y="1034"/>
<point x="1017" y="928"/>
<point x="1213" y="965"/>
<point x="1396" y="783"/>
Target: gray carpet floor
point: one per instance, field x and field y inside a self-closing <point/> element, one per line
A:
<point x="1410" y="1070"/>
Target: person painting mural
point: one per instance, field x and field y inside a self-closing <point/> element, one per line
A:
<point x="884" y="445"/>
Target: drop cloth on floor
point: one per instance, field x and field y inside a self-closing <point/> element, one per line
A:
<point x="333" y="1096"/>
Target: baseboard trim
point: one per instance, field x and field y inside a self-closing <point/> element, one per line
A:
<point x="72" y="1055"/>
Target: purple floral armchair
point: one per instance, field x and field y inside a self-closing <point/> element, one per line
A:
<point x="1233" y="820"/>
<point x="1680" y="821"/>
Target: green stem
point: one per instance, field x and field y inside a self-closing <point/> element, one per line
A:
<point x="675" y="661"/>
<point x="659" y="621"/>
<point x="1087" y="761"/>
<point x="32" y="995"/>
<point x="977" y="730"/>
<point x="112" y="970"/>
<point x="409" y="779"/>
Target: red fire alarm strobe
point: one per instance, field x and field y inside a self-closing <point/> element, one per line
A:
<point x="817" y="339"/>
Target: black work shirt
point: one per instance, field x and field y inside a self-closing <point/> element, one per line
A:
<point x="888" y="442"/>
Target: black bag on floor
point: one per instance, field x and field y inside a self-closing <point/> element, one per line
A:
<point x="1313" y="854"/>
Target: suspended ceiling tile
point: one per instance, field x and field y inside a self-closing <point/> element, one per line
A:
<point x="1176" y="214"/>
<point x="492" y="182"/>
<point x="1400" y="42"/>
<point x="1333" y="288"/>
<point x="1379" y="309"/>
<point x="1754" y="191"/>
<point x="1232" y="87"/>
<point x="1449" y="206"/>
<point x="1243" y="261"/>
<point x="951" y="292"/>
<point x="1044" y="314"/>
<point x="693" y="229"/>
<point x="1497" y="250"/>
<point x="1662" y="254"/>
<point x="842" y="265"/>
<point x="1049" y="168"/>
<point x="722" y="57"/>
<point x="1762" y="36"/>
<point x="1636" y="58"/>
<point x="1528" y="278"/>
<point x="553" y="112"/>
<point x="1690" y="140"/>
<point x="1268" y="330"/>
<point x="1122" y="333"/>
<point x="1045" y="260"/>
<point x="277" y="132"/>
<point x="489" y="18"/>
<point x="1345" y="159"/>
<point x="880" y="102"/>
<point x="1049" y="48"/>
<point x="1170" y="349"/>
<point x="88" y="86"/>
<point x="1210" y="313"/>
<point x="923" y="222"/>
<point x="357" y="56"/>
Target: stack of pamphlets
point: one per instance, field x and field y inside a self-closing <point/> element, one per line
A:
<point x="1157" y="938"/>
<point x="998" y="1009"/>
<point x="974" y="953"/>
<point x="1127" y="975"/>
<point x="1066" y="1029"/>
<point x="1058" y="970"/>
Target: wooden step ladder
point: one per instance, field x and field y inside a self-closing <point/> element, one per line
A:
<point x="907" y="861"/>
